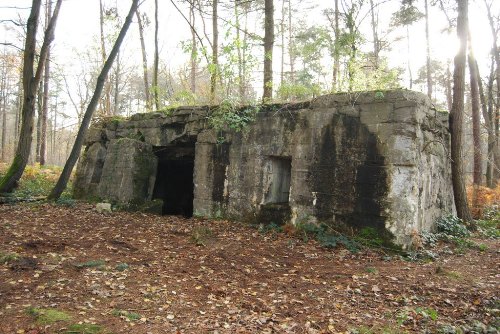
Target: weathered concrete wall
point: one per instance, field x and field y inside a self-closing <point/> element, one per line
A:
<point x="353" y="160"/>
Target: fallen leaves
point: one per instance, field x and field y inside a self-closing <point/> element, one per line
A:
<point x="171" y="274"/>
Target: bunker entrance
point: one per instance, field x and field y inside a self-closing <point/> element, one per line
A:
<point x="174" y="179"/>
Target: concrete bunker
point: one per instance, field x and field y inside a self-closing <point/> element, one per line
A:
<point x="373" y="159"/>
<point x="174" y="179"/>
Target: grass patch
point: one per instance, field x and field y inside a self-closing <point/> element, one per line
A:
<point x="371" y="270"/>
<point x="131" y="316"/>
<point x="200" y="235"/>
<point x="38" y="181"/>
<point x="84" y="329"/>
<point x="91" y="264"/>
<point x="122" y="266"/>
<point x="8" y="257"/>
<point x="47" y="316"/>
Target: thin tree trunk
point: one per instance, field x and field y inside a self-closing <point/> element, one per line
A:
<point x="144" y="61"/>
<point x="336" y="52"/>
<point x="46" y="88"/>
<point x="31" y="80"/>
<point x="3" y="95"/>
<point x="282" y="34"/>
<point x="239" y="46"/>
<point x="54" y="134"/>
<point x="476" y="117"/>
<point x="456" y="116"/>
<point x="116" y="109"/>
<point x="488" y="121"/>
<point x="39" y="108"/>
<point x="156" y="62"/>
<point x="409" y="55"/>
<point x="496" y="55"/>
<point x="428" y="51"/>
<point x="77" y="146"/>
<point x="244" y="60"/>
<point x="268" y="50"/>
<point x="4" y="126"/>
<point x="194" y="49"/>
<point x="107" y="85"/>
<point x="290" y="43"/>
<point x="376" y="43"/>
<point x="215" y="52"/>
<point x="448" y="89"/>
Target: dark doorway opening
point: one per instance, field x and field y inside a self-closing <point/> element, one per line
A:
<point x="174" y="179"/>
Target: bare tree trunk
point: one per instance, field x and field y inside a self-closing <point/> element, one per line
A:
<point x="492" y="141"/>
<point x="476" y="117"/>
<point x="376" y="43"/>
<point x="488" y="121"/>
<point x="3" y="96"/>
<point x="282" y="34"/>
<point x="268" y="50"/>
<point x="46" y="87"/>
<point x="39" y="108"/>
<point x="290" y="43"/>
<point x="428" y="51"/>
<point x="107" y="86"/>
<point x="156" y="62"/>
<point x="456" y="116"/>
<point x="448" y="89"/>
<point x="116" y="106"/>
<point x="336" y="52"/>
<point x="194" y="49"/>
<point x="239" y="46"/>
<point x="244" y="59"/>
<point x="409" y="55"/>
<point x="31" y="80"/>
<point x="77" y="146"/>
<point x="144" y="60"/>
<point x="496" y="55"/>
<point x="4" y="126"/>
<point x="215" y="52"/>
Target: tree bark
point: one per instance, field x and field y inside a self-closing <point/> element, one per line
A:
<point x="144" y="61"/>
<point x="31" y="81"/>
<point x="488" y="116"/>
<point x="214" y="72"/>
<point x="290" y="44"/>
<point x="376" y="43"/>
<point x="3" y="97"/>
<point x="268" y="50"/>
<point x="428" y="51"/>
<point x="194" y="49"/>
<point x="456" y="116"/>
<point x="336" y="52"/>
<point x="476" y="118"/>
<point x="106" y="109"/>
<point x="215" y="52"/>
<point x="45" y="105"/>
<point x="282" y="35"/>
<point x="39" y="108"/>
<point x="496" y="55"/>
<point x="77" y="146"/>
<point x="239" y="46"/>
<point x="156" y="62"/>
<point x="116" y="106"/>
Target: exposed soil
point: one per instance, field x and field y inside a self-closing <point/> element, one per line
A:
<point x="201" y="276"/>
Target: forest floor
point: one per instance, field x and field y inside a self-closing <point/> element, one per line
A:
<point x="73" y="270"/>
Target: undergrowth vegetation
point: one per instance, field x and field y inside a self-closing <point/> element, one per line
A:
<point x="37" y="181"/>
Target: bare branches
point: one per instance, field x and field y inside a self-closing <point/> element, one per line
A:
<point x="12" y="46"/>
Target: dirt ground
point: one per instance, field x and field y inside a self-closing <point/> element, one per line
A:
<point x="138" y="273"/>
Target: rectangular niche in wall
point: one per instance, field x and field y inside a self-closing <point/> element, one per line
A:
<point x="279" y="171"/>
